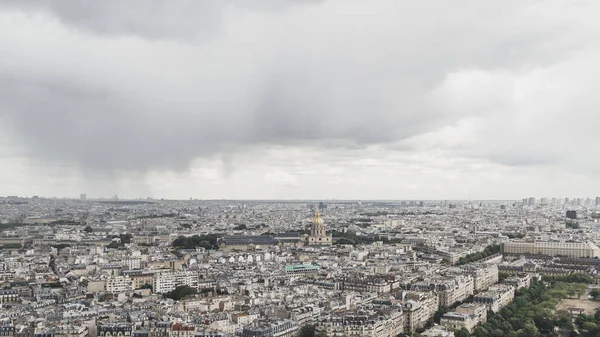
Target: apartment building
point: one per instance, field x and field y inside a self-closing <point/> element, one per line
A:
<point x="362" y="324"/>
<point x="496" y="298"/>
<point x="114" y="330"/>
<point x="182" y="330"/>
<point x="484" y="275"/>
<point x="271" y="328"/>
<point x="305" y="314"/>
<point x="367" y="283"/>
<point x="569" y="249"/>
<point x="68" y="330"/>
<point x="518" y="281"/>
<point x="466" y="316"/>
<point x="165" y="282"/>
<point x="450" y="289"/>
<point x="418" y="308"/>
<point x="118" y="284"/>
<point x="9" y="296"/>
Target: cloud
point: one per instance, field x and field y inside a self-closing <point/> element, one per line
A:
<point x="179" y="19"/>
<point x="112" y="87"/>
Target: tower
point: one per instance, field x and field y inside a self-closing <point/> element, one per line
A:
<point x="318" y="234"/>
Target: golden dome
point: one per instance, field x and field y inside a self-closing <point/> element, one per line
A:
<point x="317" y="219"/>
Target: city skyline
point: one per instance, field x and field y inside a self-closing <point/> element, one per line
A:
<point x="299" y="100"/>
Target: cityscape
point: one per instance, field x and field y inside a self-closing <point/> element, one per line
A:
<point x="111" y="267"/>
<point x="299" y="168"/>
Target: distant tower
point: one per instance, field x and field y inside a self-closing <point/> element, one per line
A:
<point x="318" y="233"/>
<point x="83" y="197"/>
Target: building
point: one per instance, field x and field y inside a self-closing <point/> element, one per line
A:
<point x="450" y="290"/>
<point x="182" y="330"/>
<point x="466" y="316"/>
<point x="9" y="296"/>
<point x="292" y="239"/>
<point x="68" y="330"/>
<point x="143" y="277"/>
<point x="305" y="315"/>
<point x="518" y="281"/>
<point x="438" y="331"/>
<point x="360" y="282"/>
<point x="168" y="281"/>
<point x="302" y="269"/>
<point x="318" y="235"/>
<point x="114" y="330"/>
<point x="418" y="309"/>
<point x="118" y="284"/>
<point x="388" y="323"/>
<point x="484" y="275"/>
<point x="271" y="328"/>
<point x="496" y="297"/>
<point x="550" y="248"/>
<point x="246" y="242"/>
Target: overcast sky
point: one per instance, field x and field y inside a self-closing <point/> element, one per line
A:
<point x="295" y="99"/>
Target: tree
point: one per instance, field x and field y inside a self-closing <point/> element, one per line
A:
<point x="544" y="325"/>
<point x="88" y="229"/>
<point x="113" y="244"/>
<point x="146" y="286"/>
<point x="307" y="331"/>
<point x="591" y="327"/>
<point x="197" y="241"/>
<point x="595" y="294"/>
<point x="463" y="332"/>
<point x="437" y="316"/>
<point x="181" y="292"/>
<point x="531" y="330"/>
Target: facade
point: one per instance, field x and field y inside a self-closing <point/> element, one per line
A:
<point x="114" y="330"/>
<point x="245" y="242"/>
<point x="302" y="269"/>
<point x="518" y="281"/>
<point x="496" y="297"/>
<point x="305" y="315"/>
<point x="71" y="331"/>
<point x="466" y="316"/>
<point x="318" y="235"/>
<point x="484" y="275"/>
<point x="283" y="328"/>
<point x="118" y="284"/>
<point x="362" y="324"/>
<point x="141" y="277"/>
<point x="450" y="290"/>
<point x="418" y="308"/>
<point x="182" y="330"/>
<point x="9" y="296"/>
<point x="569" y="249"/>
<point x="367" y="283"/>
<point x="165" y="282"/>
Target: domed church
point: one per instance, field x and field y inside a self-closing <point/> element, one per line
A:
<point x="318" y="236"/>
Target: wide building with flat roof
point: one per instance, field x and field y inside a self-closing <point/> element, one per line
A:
<point x="550" y="248"/>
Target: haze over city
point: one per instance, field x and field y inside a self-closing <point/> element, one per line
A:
<point x="272" y="99"/>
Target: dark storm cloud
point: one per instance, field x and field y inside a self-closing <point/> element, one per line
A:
<point x="134" y="96"/>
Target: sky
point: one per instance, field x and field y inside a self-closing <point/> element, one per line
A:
<point x="300" y="99"/>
